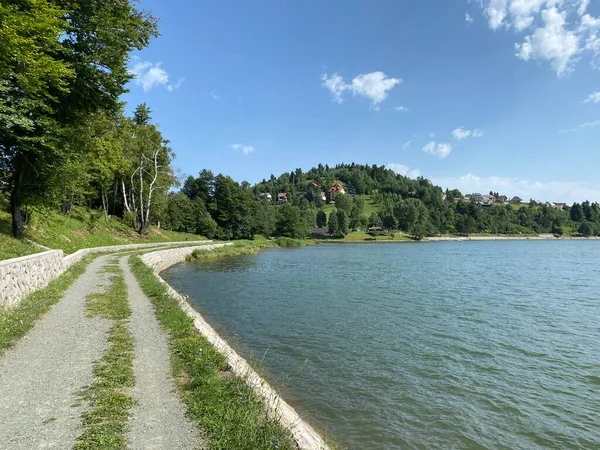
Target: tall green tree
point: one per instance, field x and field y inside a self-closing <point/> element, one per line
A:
<point x="34" y="75"/>
<point x="60" y="61"/>
<point x="321" y="218"/>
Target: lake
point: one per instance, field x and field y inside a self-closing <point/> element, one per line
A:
<point x="491" y="344"/>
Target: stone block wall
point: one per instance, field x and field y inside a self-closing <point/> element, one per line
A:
<point x="163" y="259"/>
<point x="21" y="276"/>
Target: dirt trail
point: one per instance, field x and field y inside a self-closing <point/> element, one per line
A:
<point x="158" y="418"/>
<point x="41" y="377"/>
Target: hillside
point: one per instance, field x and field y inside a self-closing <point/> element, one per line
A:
<point x="81" y="229"/>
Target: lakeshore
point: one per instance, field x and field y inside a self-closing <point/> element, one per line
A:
<point x="396" y="334"/>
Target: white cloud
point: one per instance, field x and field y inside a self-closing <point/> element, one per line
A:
<point x="583" y="7"/>
<point x="593" y="98"/>
<point x="336" y="85"/>
<point x="581" y="127"/>
<point x="247" y="149"/>
<point x="174" y="87"/>
<point x="406" y="145"/>
<point x="553" y="191"/>
<point x="461" y="133"/>
<point x="214" y="95"/>
<point x="401" y="109"/>
<point x="468" y="18"/>
<point x="496" y="12"/>
<point x="406" y="171"/>
<point x="553" y="42"/>
<point x="562" y="30"/>
<point x="150" y="75"/>
<point x="440" y="149"/>
<point x="374" y="86"/>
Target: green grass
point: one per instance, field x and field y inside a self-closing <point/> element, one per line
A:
<point x="370" y="206"/>
<point x="221" y="404"/>
<point x="16" y="321"/>
<point x="82" y="228"/>
<point x="361" y="236"/>
<point x="291" y="243"/>
<point x="111" y="304"/>
<point x="105" y="424"/>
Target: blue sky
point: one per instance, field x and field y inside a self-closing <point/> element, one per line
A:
<point x="480" y="95"/>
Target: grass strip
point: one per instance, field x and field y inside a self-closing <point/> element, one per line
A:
<point x="246" y="247"/>
<point x="105" y="424"/>
<point x="111" y="304"/>
<point x="16" y="321"/>
<point x="224" y="407"/>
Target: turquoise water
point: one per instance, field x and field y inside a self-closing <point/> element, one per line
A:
<point x="424" y="345"/>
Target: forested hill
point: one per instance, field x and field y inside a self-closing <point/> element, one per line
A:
<point x="65" y="141"/>
<point x="351" y="197"/>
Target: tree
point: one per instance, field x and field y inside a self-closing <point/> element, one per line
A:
<point x="152" y="174"/>
<point x="60" y="61"/>
<point x="465" y="225"/>
<point x="321" y="218"/>
<point x="332" y="223"/>
<point x="33" y="75"/>
<point x="290" y="222"/>
<point x="375" y="220"/>
<point x="576" y="212"/>
<point x="342" y="222"/>
<point x="586" y="229"/>
<point x="343" y="202"/>
<point x="233" y="209"/>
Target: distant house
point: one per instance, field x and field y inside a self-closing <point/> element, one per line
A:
<point x="377" y="231"/>
<point x="559" y="205"/>
<point x="476" y="197"/>
<point x="282" y="198"/>
<point x="487" y="199"/>
<point x="516" y="200"/>
<point x="502" y="199"/>
<point x="320" y="232"/>
<point x="323" y="196"/>
<point x="336" y="189"/>
<point x="265" y="197"/>
<point x="537" y="202"/>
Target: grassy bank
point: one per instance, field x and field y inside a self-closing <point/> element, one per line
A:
<point x="246" y="247"/>
<point x="80" y="229"/>
<point x="17" y="321"/>
<point x="105" y="424"/>
<point x="221" y="404"/>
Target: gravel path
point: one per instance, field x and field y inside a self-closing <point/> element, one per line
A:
<point x="158" y="418"/>
<point x="41" y="377"/>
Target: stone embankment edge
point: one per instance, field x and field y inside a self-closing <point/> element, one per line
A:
<point x="26" y="274"/>
<point x="305" y="435"/>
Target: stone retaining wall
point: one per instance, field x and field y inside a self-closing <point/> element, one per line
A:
<point x="21" y="276"/>
<point x="306" y="437"/>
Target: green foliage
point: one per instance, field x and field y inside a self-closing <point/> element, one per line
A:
<point x="291" y="223"/>
<point x="342" y="224"/>
<point x="61" y="63"/>
<point x="333" y="224"/>
<point x="222" y="405"/>
<point x="289" y="242"/>
<point x="321" y="218"/>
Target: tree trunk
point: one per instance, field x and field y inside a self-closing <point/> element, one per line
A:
<point x="125" y="202"/>
<point x="15" y="205"/>
<point x="104" y="196"/>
